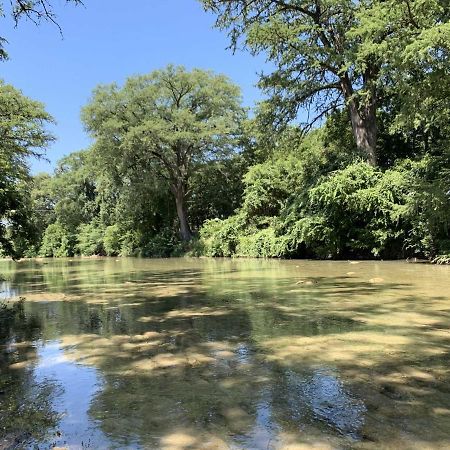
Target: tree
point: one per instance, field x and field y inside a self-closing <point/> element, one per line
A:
<point x="334" y="53"/>
<point x="163" y="124"/>
<point x="74" y="190"/>
<point x="34" y="10"/>
<point x="43" y="200"/>
<point x="216" y="189"/>
<point x="23" y="134"/>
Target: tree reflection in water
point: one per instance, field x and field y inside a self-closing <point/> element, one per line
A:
<point x="26" y="409"/>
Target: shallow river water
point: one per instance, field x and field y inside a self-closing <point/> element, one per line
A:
<point x="226" y="354"/>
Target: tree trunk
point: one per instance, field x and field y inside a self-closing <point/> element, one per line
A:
<point x="364" y="126"/>
<point x="185" y="229"/>
<point x="363" y="117"/>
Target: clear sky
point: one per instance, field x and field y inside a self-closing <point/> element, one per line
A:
<point x="107" y="41"/>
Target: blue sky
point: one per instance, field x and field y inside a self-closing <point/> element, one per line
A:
<point x="106" y="42"/>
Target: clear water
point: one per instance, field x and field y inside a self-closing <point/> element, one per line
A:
<point x="227" y="354"/>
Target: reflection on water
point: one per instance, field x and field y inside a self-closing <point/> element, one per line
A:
<point x="323" y="393"/>
<point x="75" y="428"/>
<point x="184" y="354"/>
<point x="5" y="291"/>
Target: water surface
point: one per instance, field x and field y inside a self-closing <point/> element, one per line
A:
<point x="226" y="354"/>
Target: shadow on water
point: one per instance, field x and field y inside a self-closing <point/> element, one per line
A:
<point x="191" y="354"/>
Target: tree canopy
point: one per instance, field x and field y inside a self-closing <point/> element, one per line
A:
<point x="162" y="124"/>
<point x="24" y="134"/>
<point x="330" y="54"/>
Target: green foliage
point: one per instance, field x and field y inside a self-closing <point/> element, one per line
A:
<point x="43" y="201"/>
<point x="308" y="199"/>
<point x="57" y="241"/>
<point x="333" y="54"/>
<point x="216" y="189"/>
<point x="73" y="189"/>
<point x="269" y="185"/>
<point x="22" y="127"/>
<point x="90" y="239"/>
<point x="173" y="152"/>
<point x="112" y="240"/>
<point x="130" y="242"/>
<point x="428" y="207"/>
<point x="273" y="190"/>
<point x="174" y="121"/>
<point x="355" y="211"/>
<point x="262" y="244"/>
<point x="161" y="245"/>
<point x="220" y="237"/>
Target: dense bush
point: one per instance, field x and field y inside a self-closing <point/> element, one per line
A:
<point x="159" y="246"/>
<point x="57" y="241"/>
<point x="263" y="243"/>
<point x="220" y="237"/>
<point x="90" y="239"/>
<point x="357" y="211"/>
<point x="429" y="206"/>
<point x="269" y="185"/>
<point x="112" y="240"/>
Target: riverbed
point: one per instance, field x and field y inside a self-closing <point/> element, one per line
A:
<point x="227" y="354"/>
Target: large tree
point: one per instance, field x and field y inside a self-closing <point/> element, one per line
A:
<point x="23" y="134"/>
<point x="334" y="53"/>
<point x="163" y="124"/>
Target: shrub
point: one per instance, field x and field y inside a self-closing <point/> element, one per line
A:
<point x="57" y="241"/>
<point x="357" y="211"/>
<point x="129" y="243"/>
<point x="90" y="239"/>
<point x="160" y="246"/>
<point x="195" y="248"/>
<point x="112" y="240"/>
<point x="261" y="244"/>
<point x="428" y="206"/>
<point x="221" y="237"/>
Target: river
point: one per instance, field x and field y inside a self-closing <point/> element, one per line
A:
<point x="226" y="354"/>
